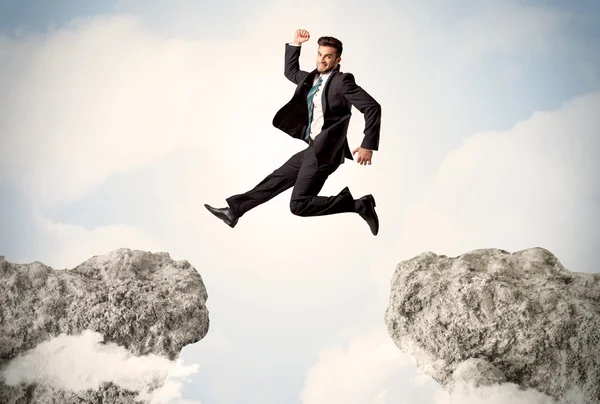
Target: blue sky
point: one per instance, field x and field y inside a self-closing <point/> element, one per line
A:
<point x="202" y="18"/>
<point x="40" y="15"/>
<point x="110" y="142"/>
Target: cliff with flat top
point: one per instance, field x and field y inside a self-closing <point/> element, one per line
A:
<point x="124" y="307"/>
<point x="489" y="317"/>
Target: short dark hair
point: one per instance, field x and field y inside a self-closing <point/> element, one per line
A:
<point x="333" y="42"/>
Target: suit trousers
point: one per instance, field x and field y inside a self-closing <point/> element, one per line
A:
<point x="303" y="172"/>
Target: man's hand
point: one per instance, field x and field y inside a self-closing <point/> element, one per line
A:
<point x="364" y="156"/>
<point x="300" y="36"/>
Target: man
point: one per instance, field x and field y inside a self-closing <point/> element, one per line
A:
<point x="318" y="113"/>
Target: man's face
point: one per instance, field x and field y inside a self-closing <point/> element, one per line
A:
<point x="326" y="59"/>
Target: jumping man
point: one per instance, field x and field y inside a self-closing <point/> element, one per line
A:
<point x="319" y="114"/>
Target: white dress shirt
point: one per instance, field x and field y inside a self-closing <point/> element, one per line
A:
<point x="318" y="105"/>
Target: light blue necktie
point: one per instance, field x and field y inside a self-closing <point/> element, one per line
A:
<point x="309" y="100"/>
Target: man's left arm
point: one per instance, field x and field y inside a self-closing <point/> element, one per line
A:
<point x="367" y="106"/>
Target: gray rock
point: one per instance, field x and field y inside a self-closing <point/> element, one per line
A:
<point x="145" y="302"/>
<point x="489" y="317"/>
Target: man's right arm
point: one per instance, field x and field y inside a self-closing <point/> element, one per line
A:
<point x="292" y="66"/>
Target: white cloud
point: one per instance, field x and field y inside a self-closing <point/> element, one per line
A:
<point x="102" y="95"/>
<point x="81" y="362"/>
<point x="502" y="394"/>
<point x="533" y="185"/>
<point x="370" y="369"/>
<point x="170" y="391"/>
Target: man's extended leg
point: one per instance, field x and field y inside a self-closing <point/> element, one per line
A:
<point x="273" y="184"/>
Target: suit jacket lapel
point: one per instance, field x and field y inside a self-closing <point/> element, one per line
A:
<point x="308" y="81"/>
<point x="326" y="88"/>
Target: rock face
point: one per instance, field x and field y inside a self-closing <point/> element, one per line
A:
<point x="145" y="302"/>
<point x="489" y="317"/>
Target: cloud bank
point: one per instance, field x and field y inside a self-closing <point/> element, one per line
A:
<point x="81" y="362"/>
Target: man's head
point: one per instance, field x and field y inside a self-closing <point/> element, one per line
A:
<point x="329" y="53"/>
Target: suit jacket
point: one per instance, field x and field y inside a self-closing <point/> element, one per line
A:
<point x="338" y="96"/>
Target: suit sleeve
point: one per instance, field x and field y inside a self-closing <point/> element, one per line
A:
<point x="292" y="66"/>
<point x="367" y="105"/>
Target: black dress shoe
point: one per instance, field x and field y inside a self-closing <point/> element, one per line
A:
<point x="370" y="215"/>
<point x="225" y="214"/>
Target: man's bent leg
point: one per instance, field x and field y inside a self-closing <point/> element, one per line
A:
<point x="272" y="185"/>
<point x="310" y="180"/>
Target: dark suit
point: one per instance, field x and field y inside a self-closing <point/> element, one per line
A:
<point x="308" y="170"/>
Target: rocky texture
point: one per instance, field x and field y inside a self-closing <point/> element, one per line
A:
<point x="489" y="317"/>
<point x="43" y="394"/>
<point x="145" y="302"/>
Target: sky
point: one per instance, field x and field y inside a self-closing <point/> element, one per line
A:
<point x="120" y="119"/>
